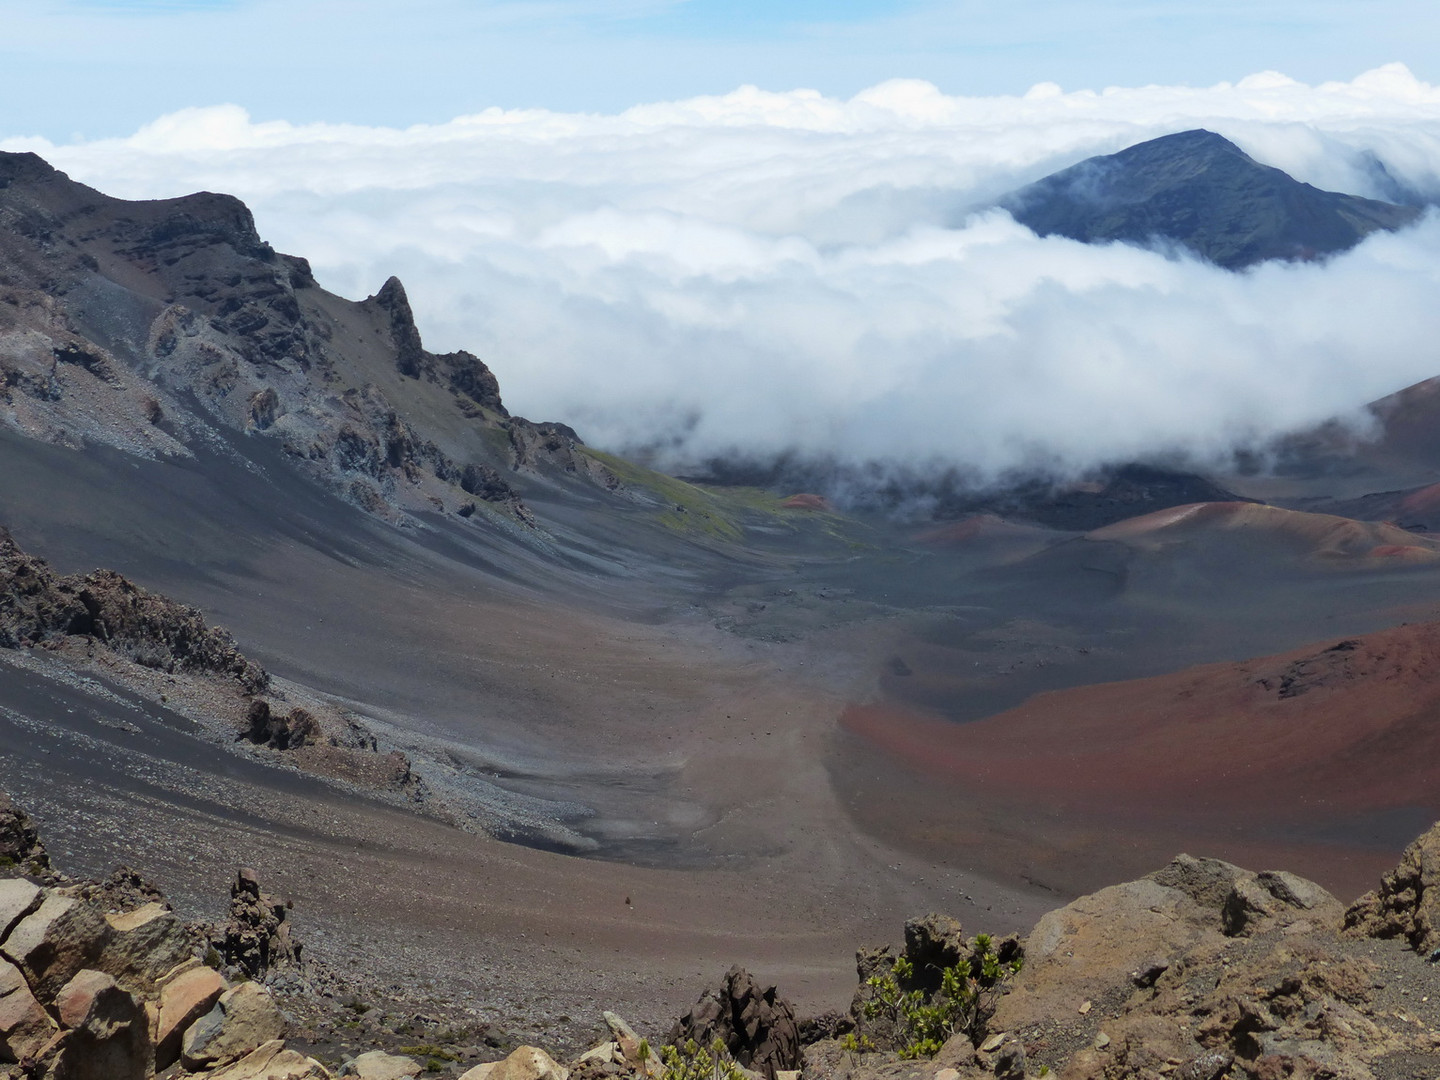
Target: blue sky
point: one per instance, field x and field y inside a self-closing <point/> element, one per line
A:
<point x="91" y="68"/>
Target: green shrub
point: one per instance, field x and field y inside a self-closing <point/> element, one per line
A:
<point x="691" y="1062"/>
<point x="963" y="1003"/>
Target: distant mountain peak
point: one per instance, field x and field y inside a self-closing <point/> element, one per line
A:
<point x="1199" y="190"/>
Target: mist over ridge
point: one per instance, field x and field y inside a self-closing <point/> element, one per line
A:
<point x="782" y="273"/>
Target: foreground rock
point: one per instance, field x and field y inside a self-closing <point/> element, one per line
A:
<point x="101" y="981"/>
<point x="1204" y="971"/>
<point x="526" y="1063"/>
<point x="756" y="1025"/>
<point x="1199" y="971"/>
<point x="1407" y="904"/>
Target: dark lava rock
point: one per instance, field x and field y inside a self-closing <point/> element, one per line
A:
<point x="757" y="1025"/>
<point x="283" y="732"/>
<point x="1203" y="192"/>
<point x="38" y="606"/>
<point x="257" y="937"/>
<point x="20" y="845"/>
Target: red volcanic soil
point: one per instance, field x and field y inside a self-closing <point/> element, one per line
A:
<point x="805" y="501"/>
<point x="1322" y="536"/>
<point x="1424" y="500"/>
<point x="1283" y="757"/>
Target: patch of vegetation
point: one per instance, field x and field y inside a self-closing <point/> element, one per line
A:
<point x="964" y="1002"/>
<point x="684" y="507"/>
<point x="693" y="1062"/>
<point x="426" y="1050"/>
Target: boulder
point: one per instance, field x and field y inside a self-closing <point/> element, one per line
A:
<point x="144" y="944"/>
<point x="18" y="898"/>
<point x="757" y="1026"/>
<point x="932" y="944"/>
<point x="109" y="1031"/>
<point x="242" y="1020"/>
<point x="1407" y="904"/>
<point x="378" y="1065"/>
<point x="20" y="846"/>
<point x="25" y="1027"/>
<point x="1256" y="900"/>
<point x="1099" y="946"/>
<point x="272" y="1061"/>
<point x="526" y="1063"/>
<point x="184" y="998"/>
<point x="72" y="1005"/>
<point x="626" y="1042"/>
<point x="55" y="942"/>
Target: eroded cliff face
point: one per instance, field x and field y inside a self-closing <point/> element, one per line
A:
<point x="170" y="327"/>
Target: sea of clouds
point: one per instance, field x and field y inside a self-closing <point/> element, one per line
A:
<point x="770" y="273"/>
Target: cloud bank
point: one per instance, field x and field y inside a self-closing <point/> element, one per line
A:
<point x="765" y="273"/>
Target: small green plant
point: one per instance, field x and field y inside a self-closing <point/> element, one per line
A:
<point x="966" y="998"/>
<point x="691" y="1062"/>
<point x="432" y="1052"/>
<point x="854" y="1044"/>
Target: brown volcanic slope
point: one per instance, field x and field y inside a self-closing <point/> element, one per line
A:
<point x="1324" y="754"/>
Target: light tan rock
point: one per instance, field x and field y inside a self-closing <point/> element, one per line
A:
<point x="18" y="898"/>
<point x="144" y="945"/>
<point x="24" y="1025"/>
<point x="110" y="1032"/>
<point x="243" y="1020"/>
<point x="188" y="964"/>
<point x="184" y="999"/>
<point x="72" y="1004"/>
<point x="624" y="1036"/>
<point x="606" y="1051"/>
<point x="1091" y="949"/>
<point x="62" y="937"/>
<point x="526" y="1063"/>
<point x="272" y="1061"/>
<point x="957" y="1053"/>
<point x="378" y="1065"/>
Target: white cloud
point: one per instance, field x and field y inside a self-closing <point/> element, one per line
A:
<point x="776" y="271"/>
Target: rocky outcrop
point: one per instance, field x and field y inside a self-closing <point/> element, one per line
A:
<point x="257" y="937"/>
<point x="535" y="446"/>
<point x="1407" y="904"/>
<point x="755" y="1023"/>
<point x="93" y="989"/>
<point x="20" y="846"/>
<point x="266" y="727"/>
<point x="244" y="1018"/>
<point x="39" y="606"/>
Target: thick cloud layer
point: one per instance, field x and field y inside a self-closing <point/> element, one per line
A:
<point x="785" y="272"/>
